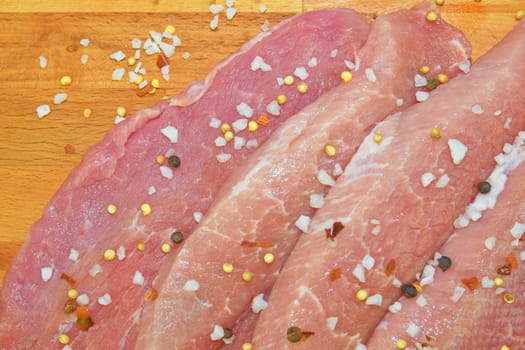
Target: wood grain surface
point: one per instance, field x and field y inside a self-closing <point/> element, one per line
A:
<point x="33" y="157"/>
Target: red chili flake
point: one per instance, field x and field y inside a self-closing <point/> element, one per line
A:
<point x="68" y="279"/>
<point x="69" y="149"/>
<point x="472" y="283"/>
<point x="390" y="267"/>
<point x="505" y="270"/>
<point x="84" y="320"/>
<point x="335" y="274"/>
<point x="522" y="239"/>
<point x="511" y="259"/>
<point x="162" y="60"/>
<point x="72" y="48"/>
<point x="144" y="91"/>
<point x="334" y="230"/>
<point x="151" y="294"/>
<point x="263" y="119"/>
<point x="258" y="244"/>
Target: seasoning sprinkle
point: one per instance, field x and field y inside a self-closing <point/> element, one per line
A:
<point x="253" y="126"/>
<point x="145" y="208"/>
<point x="484" y="187"/>
<point x="65" y="80"/>
<point x="337" y="227"/>
<point x="228" y="136"/>
<point x="112" y="208"/>
<point x="72" y="293"/>
<point x="401" y="344"/>
<point x="258" y="244"/>
<point x="335" y="274"/>
<point x="444" y="263"/>
<point x="227" y="267"/>
<point x="268" y="258"/>
<point x="141" y="246"/>
<point x="166" y="248"/>
<point x="225" y="127"/>
<point x="442" y="78"/>
<point x="432" y="83"/>
<point x="151" y="294"/>
<point x="109" y="254"/>
<point x="87" y="112"/>
<point x="424" y="69"/>
<point x="390" y="266"/>
<point x="247" y="346"/>
<point x="498" y="281"/>
<point x="63" y="339"/>
<point x="511" y="259"/>
<point x="295" y="334"/>
<point x="263" y="119"/>
<point x="361" y="294"/>
<point x="346" y="76"/>
<point x="519" y="15"/>
<point x="508" y="298"/>
<point x="505" y="270"/>
<point x="302" y="87"/>
<point x="132" y="61"/>
<point x="329" y="150"/>
<point x="472" y="283"/>
<point x="418" y="287"/>
<point x="409" y="290"/>
<point x="378" y="137"/>
<point x="431" y="16"/>
<point x="70" y="306"/>
<point x="281" y="99"/>
<point x="177" y="237"/>
<point x="435" y="133"/>
<point x="505" y="347"/>
<point x="174" y="161"/>
<point x="247" y="276"/>
<point x="121" y="111"/>
<point x="288" y="80"/>
<point x="440" y="2"/>
<point x="160" y="159"/>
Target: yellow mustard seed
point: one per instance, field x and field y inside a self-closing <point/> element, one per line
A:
<point x="225" y="127"/>
<point x="152" y="91"/>
<point x="112" y="208"/>
<point x="166" y="248"/>
<point x="509" y="298"/>
<point x="227" y="267"/>
<point x="378" y="137"/>
<point x="435" y="133"/>
<point x="65" y="80"/>
<point x="442" y="78"/>
<point x="498" y="281"/>
<point x="288" y="80"/>
<point x="160" y="159"/>
<point x="505" y="347"/>
<point x="302" y="87"/>
<point x="121" y="111"/>
<point x="268" y="258"/>
<point x="87" y="112"/>
<point x="247" y="276"/>
<point x="72" y="294"/>
<point x="520" y="14"/>
<point x="401" y="344"/>
<point x="440" y="2"/>
<point x="145" y="208"/>
<point x="253" y="125"/>
<point x="418" y="287"/>
<point x="361" y="294"/>
<point x="281" y="99"/>
<point x="141" y="246"/>
<point x="247" y="346"/>
<point x="424" y="69"/>
<point x="139" y="79"/>
<point x="346" y="76"/>
<point x="63" y="339"/>
<point x="431" y="16"/>
<point x="132" y="61"/>
<point x="109" y="254"/>
<point x="155" y="83"/>
<point x="329" y="150"/>
<point x="170" y="29"/>
<point x="228" y="136"/>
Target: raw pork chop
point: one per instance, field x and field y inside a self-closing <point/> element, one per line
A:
<point x="264" y="198"/>
<point x="130" y="194"/>
<point x="394" y="206"/>
<point x="483" y="286"/>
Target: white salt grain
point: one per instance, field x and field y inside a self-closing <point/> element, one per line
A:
<point x="117" y="56"/>
<point x="316" y="201"/>
<point x="171" y="133"/>
<point x="359" y="273"/>
<point x="427" y="178"/>
<point x="333" y="53"/>
<point x="138" y="278"/>
<point x="118" y="119"/>
<point x="325" y="178"/>
<point x="490" y="243"/>
<point x="166" y="172"/>
<point x="331" y="322"/>
<point x="118" y="74"/>
<point x="105" y="300"/>
<point x="240" y="125"/>
<point x="73" y="255"/>
<point x="312" y="62"/>
<point x="412" y="329"/>
<point x="395" y="307"/>
<point x="421" y="301"/>
<point x="83" y="299"/>
<point x="458" y="293"/>
<point x="218" y="333"/>
<point x="238" y="142"/>
<point x="443" y="181"/>
<point x="303" y="222"/>
<point x="258" y="63"/>
<point x="265" y="26"/>
<point x="273" y="108"/>
<point x="42" y="62"/>
<point x="230" y="13"/>
<point x="197" y="216"/>
<point x="420" y="81"/>
<point x="477" y="109"/>
<point x="220" y="141"/>
<point x="216" y="8"/>
<point x="42" y="111"/>
<point x="191" y="286"/>
<point x="464" y="66"/>
<point x="368" y="262"/>
<point x="487" y="282"/>
<point x="152" y="190"/>
<point x="84" y="42"/>
<point x="245" y="110"/>
<point x="136" y="43"/>
<point x="376" y="299"/>
<point x="422" y="96"/>
<point x="46" y="273"/>
<point x="370" y="75"/>
<point x="262" y="8"/>
<point x="517" y="230"/>
<point x="167" y="49"/>
<point x="121" y="253"/>
<point x="301" y="73"/>
<point x="96" y="269"/>
<point x="214" y="22"/>
<point x="186" y="55"/>
<point x="258" y="303"/>
<point x="223" y="157"/>
<point x="60" y="98"/>
<point x="84" y="59"/>
<point x="457" y="150"/>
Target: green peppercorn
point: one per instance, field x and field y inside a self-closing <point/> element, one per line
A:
<point x="294" y="334"/>
<point x="70" y="306"/>
<point x="177" y="237"/>
<point x="174" y="161"/>
<point x="432" y="83"/>
<point x="444" y="263"/>
<point x="228" y="333"/>
<point x="409" y="290"/>
<point x="484" y="187"/>
<point x="84" y="323"/>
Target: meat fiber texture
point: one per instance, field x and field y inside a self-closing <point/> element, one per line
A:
<point x="475" y="290"/>
<point x="264" y="206"/>
<point x="397" y="201"/>
<point x="124" y="170"/>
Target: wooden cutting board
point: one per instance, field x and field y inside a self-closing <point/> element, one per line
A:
<point x="36" y="154"/>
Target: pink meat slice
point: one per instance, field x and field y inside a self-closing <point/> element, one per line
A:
<point x="267" y="199"/>
<point x="478" y="252"/>
<point x="123" y="171"/>
<point x="397" y="201"/>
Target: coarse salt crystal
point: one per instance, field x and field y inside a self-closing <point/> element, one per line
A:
<point x="396" y="283"/>
<point x="42" y="62"/>
<point x="252" y="144"/>
<point x="420" y="81"/>
<point x="265" y="26"/>
<point x="84" y="42"/>
<point x="258" y="303"/>
<point x="316" y="201"/>
<point x="262" y="8"/>
<point x="399" y="102"/>
<point x="338" y="170"/>
<point x="118" y="119"/>
<point x="156" y="36"/>
<point x="303" y="222"/>
<point x="443" y="181"/>
<point x="220" y="141"/>
<point x="240" y="125"/>
<point x="427" y="178"/>
<point x="477" y="109"/>
<point x="191" y="286"/>
<point x="60" y="98"/>
<point x="522" y="255"/>
<point x="167" y="49"/>
<point x="152" y="190"/>
<point x="499" y="290"/>
<point x="458" y="293"/>
<point x="422" y="96"/>
<point x="46" y="273"/>
<point x="197" y="216"/>
<point x="331" y="322"/>
<point x="229" y="3"/>
<point x="73" y="255"/>
<point x="349" y="64"/>
<point x="230" y="13"/>
<point x="497" y="113"/>
<point x="238" y="142"/>
<point x="166" y="172"/>
<point x="83" y="299"/>
<point x="507" y="148"/>
<point x="368" y="262"/>
<point x="507" y="123"/>
<point x="457" y="150"/>
<point x="464" y="66"/>
<point x="301" y="73"/>
<point x="428" y="275"/>
<point x="96" y="269"/>
<point x="223" y="157"/>
<point x="312" y="62"/>
<point x="325" y="178"/>
<point x="360" y="346"/>
<point x="132" y="76"/>
<point x="214" y="22"/>
<point x="412" y="329"/>
<point x="490" y="243"/>
<point x="175" y="41"/>
<point x="244" y="109"/>
<point x="395" y="307"/>
<point x="171" y="132"/>
<point x="517" y="230"/>
<point x="461" y="221"/>
<point x="421" y="301"/>
<point x="370" y="75"/>
<point x="487" y="282"/>
<point x="333" y="53"/>
<point x="84" y="58"/>
<point x="137" y="55"/>
<point x="273" y="108"/>
<point x="117" y="56"/>
<point x="216" y="8"/>
<point x="376" y="299"/>
<point x="104" y="300"/>
<point x="136" y="43"/>
<point x="42" y="111"/>
<point x="118" y="74"/>
<point x="218" y="333"/>
<point x="121" y="253"/>
<point x="138" y="278"/>
<point x="186" y="55"/>
<point x="258" y="63"/>
<point x="215" y="123"/>
<point x="359" y="273"/>
<point x="280" y="81"/>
